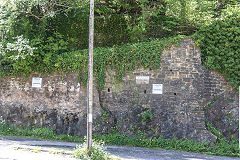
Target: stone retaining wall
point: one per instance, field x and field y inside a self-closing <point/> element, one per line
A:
<point x="128" y="106"/>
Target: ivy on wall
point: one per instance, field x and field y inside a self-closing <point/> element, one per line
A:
<point x="220" y="47"/>
<point x="120" y="58"/>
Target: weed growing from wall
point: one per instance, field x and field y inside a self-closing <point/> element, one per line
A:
<point x="147" y="115"/>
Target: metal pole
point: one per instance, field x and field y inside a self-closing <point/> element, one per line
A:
<point x="90" y="77"/>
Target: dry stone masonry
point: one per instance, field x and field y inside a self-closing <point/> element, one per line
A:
<point x="171" y="101"/>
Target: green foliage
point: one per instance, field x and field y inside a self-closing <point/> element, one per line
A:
<point x="219" y="44"/>
<point x="97" y="152"/>
<point x="116" y="22"/>
<point x="119" y="58"/>
<point x="164" y="26"/>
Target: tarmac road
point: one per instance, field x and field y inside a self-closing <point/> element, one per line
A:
<point x="15" y="148"/>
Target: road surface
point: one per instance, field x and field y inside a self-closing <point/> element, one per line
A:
<point x="15" y="148"/>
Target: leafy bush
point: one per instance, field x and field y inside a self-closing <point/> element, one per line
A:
<point x="219" y="44"/>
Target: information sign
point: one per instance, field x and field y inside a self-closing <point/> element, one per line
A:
<point x="142" y="79"/>
<point x="157" y="89"/>
<point x="37" y="82"/>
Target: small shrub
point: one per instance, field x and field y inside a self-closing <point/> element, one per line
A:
<point x="97" y="152"/>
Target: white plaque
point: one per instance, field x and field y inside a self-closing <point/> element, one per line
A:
<point x="142" y="79"/>
<point x="157" y="89"/>
<point x="37" y="82"/>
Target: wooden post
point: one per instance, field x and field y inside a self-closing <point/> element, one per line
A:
<point x="90" y="77"/>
